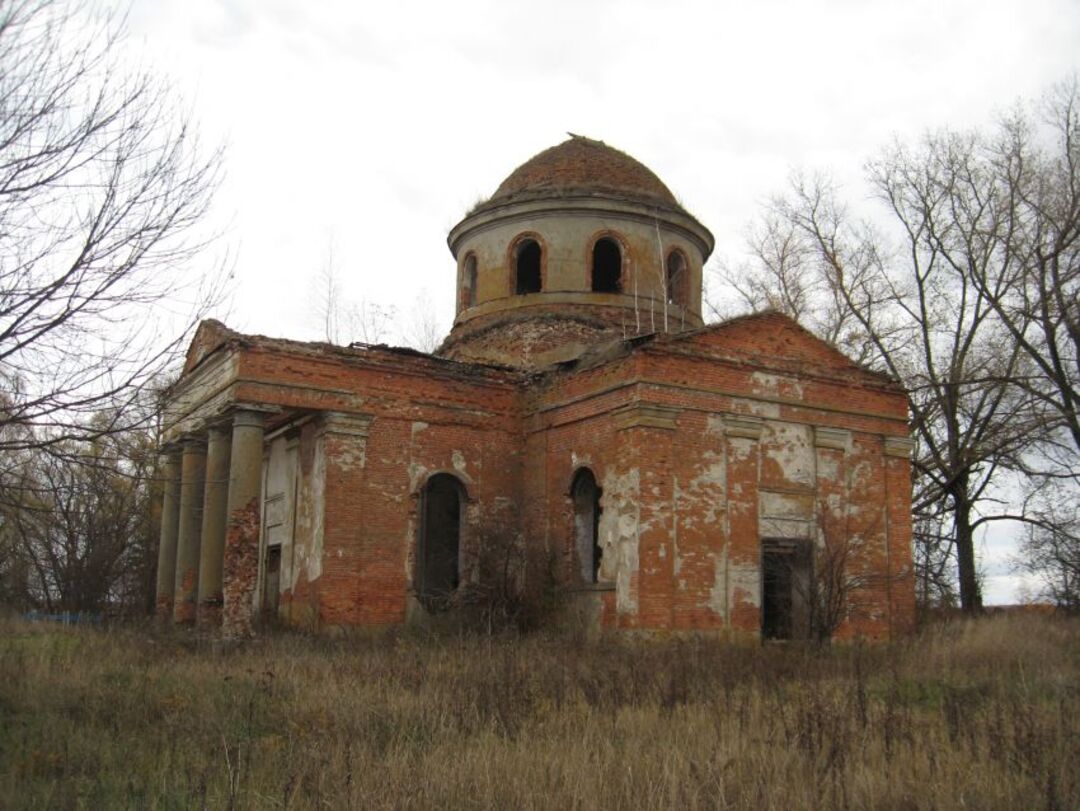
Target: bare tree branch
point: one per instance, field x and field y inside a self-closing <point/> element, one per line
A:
<point x="103" y="194"/>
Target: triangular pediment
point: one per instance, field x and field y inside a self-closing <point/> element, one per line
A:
<point x="774" y="338"/>
<point x="209" y="336"/>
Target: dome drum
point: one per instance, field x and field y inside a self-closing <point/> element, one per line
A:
<point x="562" y="240"/>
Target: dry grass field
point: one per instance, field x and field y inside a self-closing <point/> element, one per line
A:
<point x="966" y="715"/>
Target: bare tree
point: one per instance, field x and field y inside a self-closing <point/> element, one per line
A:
<point x="913" y="312"/>
<point x="422" y="329"/>
<point x="327" y="307"/>
<point x="1053" y="555"/>
<point x="102" y="195"/>
<point x="343" y="321"/>
<point x="1001" y="212"/>
<point x="814" y="586"/>
<point x="1030" y="176"/>
<point x="80" y="537"/>
<point x="934" y="560"/>
<point x="785" y="272"/>
<point x="835" y="578"/>
<point x="1050" y="549"/>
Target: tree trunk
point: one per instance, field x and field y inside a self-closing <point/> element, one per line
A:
<point x="970" y="596"/>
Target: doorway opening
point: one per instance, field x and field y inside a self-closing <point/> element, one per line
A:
<point x="785" y="583"/>
<point x="272" y="589"/>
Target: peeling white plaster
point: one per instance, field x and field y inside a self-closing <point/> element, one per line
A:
<point x="741" y="448"/>
<point x="860" y="472"/>
<point x="764" y="383"/>
<point x="745" y="585"/>
<point x="417" y="474"/>
<point x="457" y="459"/>
<point x="765" y="410"/>
<point x="310" y="560"/>
<point x="706" y="493"/>
<point x="828" y="467"/>
<point x="791" y="446"/>
<point x="786" y="505"/>
<point x="718" y="598"/>
<point x="619" y="531"/>
<point x="771" y="385"/>
<point x="584" y="460"/>
<point x="351" y="453"/>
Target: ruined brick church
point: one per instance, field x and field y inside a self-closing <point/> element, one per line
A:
<point x="580" y="425"/>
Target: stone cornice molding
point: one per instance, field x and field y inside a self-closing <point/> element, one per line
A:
<point x="900" y="447"/>
<point x="646" y="415"/>
<point x="835" y="438"/>
<point x="337" y="422"/>
<point x="743" y="426"/>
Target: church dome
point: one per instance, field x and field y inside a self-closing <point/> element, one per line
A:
<point x="580" y="245"/>
<point x="583" y="166"/>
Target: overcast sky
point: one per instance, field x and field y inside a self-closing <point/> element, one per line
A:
<point x="372" y="127"/>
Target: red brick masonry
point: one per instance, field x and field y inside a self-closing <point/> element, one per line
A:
<point x="704" y="443"/>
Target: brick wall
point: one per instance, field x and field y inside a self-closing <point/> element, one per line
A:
<point x="703" y="445"/>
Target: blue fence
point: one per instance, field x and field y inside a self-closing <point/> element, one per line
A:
<point x="67" y="617"/>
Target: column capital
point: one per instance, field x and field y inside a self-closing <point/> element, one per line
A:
<point x="244" y="417"/>
<point x="218" y="430"/>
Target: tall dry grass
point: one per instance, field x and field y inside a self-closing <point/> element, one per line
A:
<point x="967" y="715"/>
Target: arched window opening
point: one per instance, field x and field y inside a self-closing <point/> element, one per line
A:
<point x="586" y="496"/>
<point x="438" y="569"/>
<point x="468" y="283"/>
<point x="606" y="266"/>
<point x="677" y="279"/>
<point x="527" y="277"/>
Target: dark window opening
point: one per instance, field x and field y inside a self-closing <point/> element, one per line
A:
<point x="527" y="267"/>
<point x="677" y="277"/>
<point x="607" y="267"/>
<point x="785" y="570"/>
<point x="586" y="495"/>
<point x="437" y="567"/>
<point x="468" y="283"/>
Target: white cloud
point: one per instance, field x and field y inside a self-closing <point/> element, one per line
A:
<point x="382" y="123"/>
